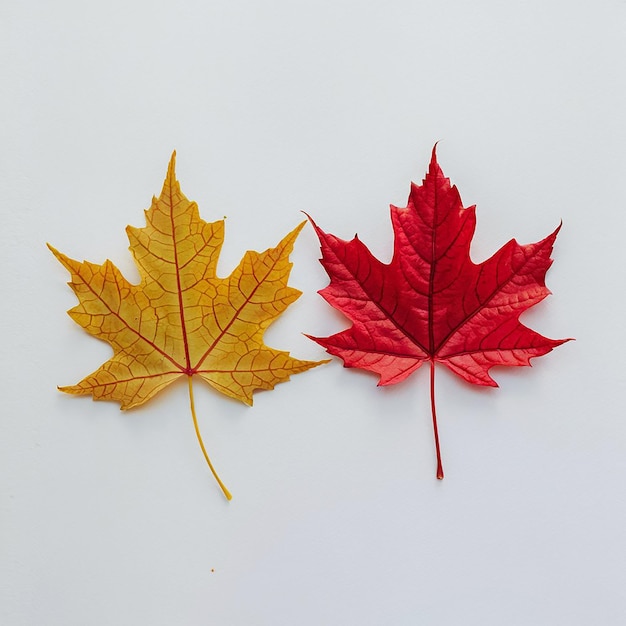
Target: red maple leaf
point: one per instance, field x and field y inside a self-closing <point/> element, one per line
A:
<point x="431" y="303"/>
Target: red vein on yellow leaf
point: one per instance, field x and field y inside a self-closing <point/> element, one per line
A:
<point x="179" y="291"/>
<point x="116" y="314"/>
<point x="224" y="331"/>
<point x="235" y="316"/>
<point x="181" y="307"/>
<point x="134" y="378"/>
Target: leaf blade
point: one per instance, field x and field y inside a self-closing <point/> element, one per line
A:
<point x="432" y="302"/>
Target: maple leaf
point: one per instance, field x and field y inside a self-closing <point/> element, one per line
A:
<point x="182" y="319"/>
<point x="431" y="303"/>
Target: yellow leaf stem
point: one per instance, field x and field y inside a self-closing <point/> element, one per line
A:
<point x="206" y="456"/>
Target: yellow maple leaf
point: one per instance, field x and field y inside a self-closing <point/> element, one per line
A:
<point x="182" y="319"/>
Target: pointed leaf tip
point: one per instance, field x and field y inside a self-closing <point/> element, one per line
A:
<point x="171" y="167"/>
<point x="433" y="155"/>
<point x="299" y="227"/>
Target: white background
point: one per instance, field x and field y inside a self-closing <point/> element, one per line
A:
<point x="332" y="107"/>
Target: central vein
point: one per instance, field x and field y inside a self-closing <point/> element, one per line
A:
<point x="431" y="279"/>
<point x="179" y="289"/>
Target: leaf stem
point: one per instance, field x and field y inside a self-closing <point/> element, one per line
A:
<point x="206" y="456"/>
<point x="436" y="431"/>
